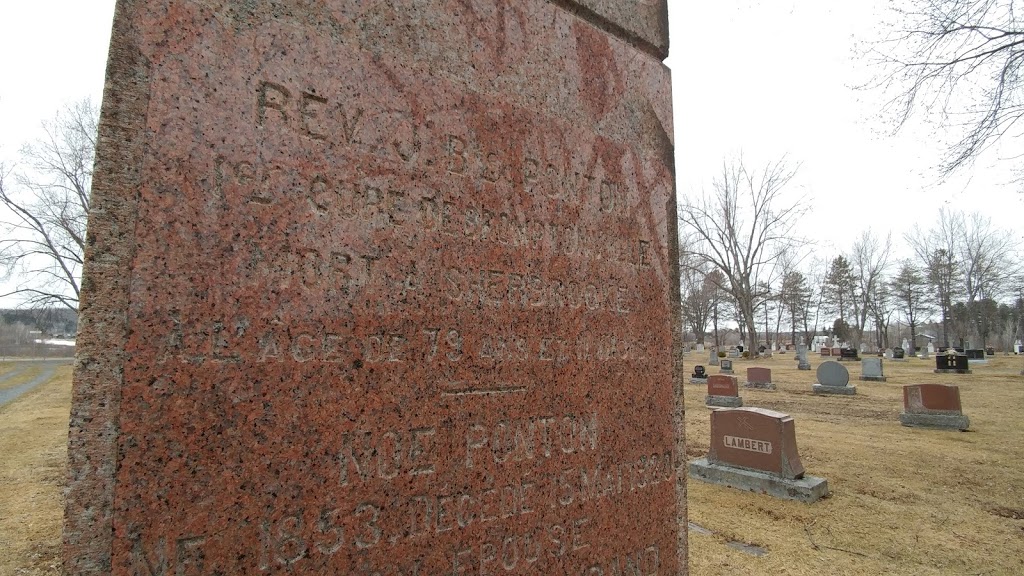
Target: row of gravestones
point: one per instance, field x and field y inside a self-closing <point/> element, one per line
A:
<point x="755" y="449"/>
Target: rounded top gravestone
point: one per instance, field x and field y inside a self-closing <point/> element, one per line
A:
<point x="833" y="374"/>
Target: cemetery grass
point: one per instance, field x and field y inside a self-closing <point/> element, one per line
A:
<point x="33" y="454"/>
<point x="904" y="501"/>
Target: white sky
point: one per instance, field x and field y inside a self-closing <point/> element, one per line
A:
<point x="766" y="79"/>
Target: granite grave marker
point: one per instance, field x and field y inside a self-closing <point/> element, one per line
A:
<point x="723" y="391"/>
<point x="726" y="367"/>
<point x="758" y="377"/>
<point x="833" y="378"/>
<point x="344" y="257"/>
<point x="933" y="406"/>
<point x="871" y="370"/>
<point x="755" y="449"/>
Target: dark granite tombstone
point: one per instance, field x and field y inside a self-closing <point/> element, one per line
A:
<point x="898" y="353"/>
<point x="974" y="354"/>
<point x="849" y="354"/>
<point x="990" y="351"/>
<point x="951" y="363"/>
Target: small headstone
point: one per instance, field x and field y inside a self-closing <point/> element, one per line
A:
<point x="826" y="352"/>
<point x="733" y="354"/>
<point x="700" y="347"/>
<point x="726" y="367"/>
<point x="888" y="353"/>
<point x="758" y="377"/>
<point x="723" y="391"/>
<point x="801" y="356"/>
<point x="990" y="351"/>
<point x="906" y="344"/>
<point x="933" y="406"/>
<point x="713" y="357"/>
<point x="930" y="348"/>
<point x="699" y="376"/>
<point x="837" y="351"/>
<point x="976" y="356"/>
<point x="755" y="449"/>
<point x="833" y="378"/>
<point x="871" y="370"/>
<point x="951" y="363"/>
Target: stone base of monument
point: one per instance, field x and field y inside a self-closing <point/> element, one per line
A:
<point x="699" y="381"/>
<point x="943" y="421"/>
<point x="952" y="371"/>
<point x="895" y="359"/>
<point x="821" y="389"/>
<point x="726" y="372"/>
<point x="807" y="489"/>
<point x="723" y="401"/>
<point x="873" y="378"/>
<point x="803" y="367"/>
<point x="760" y="385"/>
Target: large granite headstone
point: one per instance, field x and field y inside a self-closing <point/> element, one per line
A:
<point x="871" y="370"/>
<point x="833" y="378"/>
<point x="723" y="391"/>
<point x="366" y="286"/>
<point x="933" y="406"/>
<point x="755" y="449"/>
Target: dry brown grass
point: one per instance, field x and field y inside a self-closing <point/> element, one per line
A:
<point x="33" y="451"/>
<point x="905" y="501"/>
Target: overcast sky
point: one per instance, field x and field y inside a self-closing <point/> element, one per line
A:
<point x="765" y="79"/>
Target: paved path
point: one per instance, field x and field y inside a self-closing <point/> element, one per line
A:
<point x="49" y="367"/>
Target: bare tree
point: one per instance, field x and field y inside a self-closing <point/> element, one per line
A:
<point x="957" y="61"/>
<point x="910" y="292"/>
<point x="989" y="258"/>
<point x="742" y="227"/>
<point x="870" y="262"/>
<point x="47" y="209"/>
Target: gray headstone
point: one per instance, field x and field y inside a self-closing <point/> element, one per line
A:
<point x="833" y="373"/>
<point x="888" y="353"/>
<point x="871" y="369"/>
<point x="713" y="358"/>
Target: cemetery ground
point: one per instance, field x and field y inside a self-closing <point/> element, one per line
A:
<point x="904" y="500"/>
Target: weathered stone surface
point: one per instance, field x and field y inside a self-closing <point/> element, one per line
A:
<point x="806" y="489"/>
<point x="845" y="390"/>
<point x="755" y="439"/>
<point x="871" y="370"/>
<point x="723" y="401"/>
<point x="825" y="352"/>
<point x="713" y="358"/>
<point x="941" y="421"/>
<point x="373" y="248"/>
<point x="832" y="373"/>
<point x="643" y="22"/>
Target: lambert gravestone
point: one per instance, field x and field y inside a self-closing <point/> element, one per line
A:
<point x="367" y="284"/>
